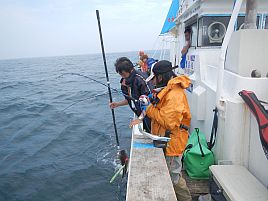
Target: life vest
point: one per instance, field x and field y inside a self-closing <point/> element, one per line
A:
<point x="261" y="115"/>
<point x="150" y="62"/>
<point x="144" y="67"/>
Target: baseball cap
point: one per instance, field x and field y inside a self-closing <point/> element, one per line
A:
<point x="160" y="67"/>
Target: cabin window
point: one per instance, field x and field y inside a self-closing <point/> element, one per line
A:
<point x="194" y="34"/>
<point x="266" y="22"/>
<point x="192" y="24"/>
<point x="241" y="20"/>
<point x="211" y="30"/>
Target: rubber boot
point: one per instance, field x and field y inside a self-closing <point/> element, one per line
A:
<point x="182" y="191"/>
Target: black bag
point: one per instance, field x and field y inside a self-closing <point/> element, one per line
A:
<point x="215" y="191"/>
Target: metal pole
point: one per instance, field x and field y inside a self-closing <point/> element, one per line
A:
<point x="107" y="77"/>
<point x="251" y="14"/>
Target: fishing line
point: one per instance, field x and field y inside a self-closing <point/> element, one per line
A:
<point x="106" y="85"/>
<point x="89" y="98"/>
<point x="99" y="82"/>
<point x="114" y="90"/>
<point x="78" y="74"/>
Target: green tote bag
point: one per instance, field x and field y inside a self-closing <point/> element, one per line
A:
<point x="197" y="157"/>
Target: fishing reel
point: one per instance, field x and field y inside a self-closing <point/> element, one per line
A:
<point x="144" y="100"/>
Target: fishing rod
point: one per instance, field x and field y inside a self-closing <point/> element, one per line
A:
<point x="121" y="153"/>
<point x="107" y="77"/>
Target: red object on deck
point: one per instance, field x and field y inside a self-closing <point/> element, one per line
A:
<point x="261" y="115"/>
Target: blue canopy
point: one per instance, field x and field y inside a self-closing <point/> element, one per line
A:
<point x="172" y="13"/>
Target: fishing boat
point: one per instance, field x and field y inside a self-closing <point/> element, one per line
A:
<point x="229" y="44"/>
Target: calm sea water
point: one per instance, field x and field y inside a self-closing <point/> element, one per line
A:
<point x="48" y="153"/>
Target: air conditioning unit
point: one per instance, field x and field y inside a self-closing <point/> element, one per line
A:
<point x="212" y="30"/>
<point x="216" y="32"/>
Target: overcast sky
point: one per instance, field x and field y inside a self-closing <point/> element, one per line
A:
<point x="32" y="28"/>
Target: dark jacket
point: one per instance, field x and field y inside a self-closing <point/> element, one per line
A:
<point x="138" y="86"/>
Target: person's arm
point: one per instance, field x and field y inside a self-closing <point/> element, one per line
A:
<point x="118" y="104"/>
<point x="170" y="114"/>
<point x="142" y="115"/>
<point x="186" y="47"/>
<point x="138" y="120"/>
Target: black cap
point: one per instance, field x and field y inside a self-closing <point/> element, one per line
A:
<point x="160" y="67"/>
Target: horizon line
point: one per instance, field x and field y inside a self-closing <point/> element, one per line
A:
<point x="35" y="57"/>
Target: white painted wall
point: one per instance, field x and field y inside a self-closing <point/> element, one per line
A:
<point x="237" y="138"/>
<point x="238" y="135"/>
<point x="247" y="51"/>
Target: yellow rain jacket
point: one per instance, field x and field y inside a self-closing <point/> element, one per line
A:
<point x="171" y="111"/>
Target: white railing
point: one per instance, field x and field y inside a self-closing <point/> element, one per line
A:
<point x="225" y="43"/>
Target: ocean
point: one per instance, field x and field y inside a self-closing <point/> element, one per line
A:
<point x="57" y="141"/>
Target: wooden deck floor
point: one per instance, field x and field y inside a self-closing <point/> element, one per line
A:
<point x="196" y="187"/>
<point x="148" y="177"/>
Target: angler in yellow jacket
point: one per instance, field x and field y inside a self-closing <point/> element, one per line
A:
<point x="170" y="115"/>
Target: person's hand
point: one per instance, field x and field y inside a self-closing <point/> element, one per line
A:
<point x="134" y="122"/>
<point x="113" y="105"/>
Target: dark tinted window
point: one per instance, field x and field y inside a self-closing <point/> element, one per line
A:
<point x="241" y="20"/>
<point x="194" y="35"/>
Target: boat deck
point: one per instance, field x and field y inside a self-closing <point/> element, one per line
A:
<point x="196" y="187"/>
<point x="148" y="177"/>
